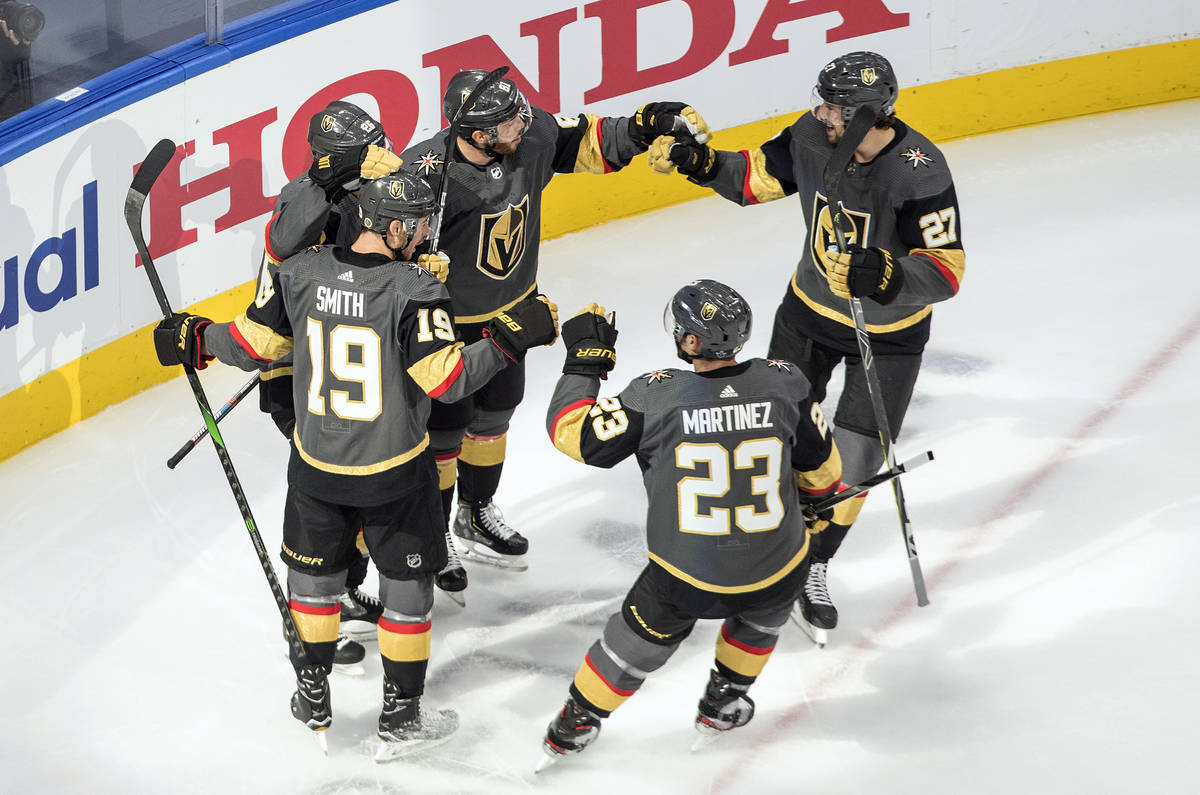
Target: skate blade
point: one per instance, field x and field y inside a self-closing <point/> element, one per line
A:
<point x="358" y="630"/>
<point x="706" y="737"/>
<point x="322" y="742"/>
<point x="350" y="669"/>
<point x="387" y="751"/>
<point x="460" y="597"/>
<point x="549" y="758"/>
<point x="817" y="635"/>
<point x="478" y="553"/>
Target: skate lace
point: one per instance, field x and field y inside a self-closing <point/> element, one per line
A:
<point x="493" y="522"/>
<point x="452" y="559"/>
<point x="815" y="589"/>
<point x="364" y="598"/>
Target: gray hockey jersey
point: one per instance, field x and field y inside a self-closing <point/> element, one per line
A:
<point x="724" y="456"/>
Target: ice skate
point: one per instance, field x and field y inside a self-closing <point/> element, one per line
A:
<point x="310" y="702"/>
<point x="814" y="611"/>
<point x="360" y="615"/>
<point x="348" y="657"/>
<point x="724" y="706"/>
<point x="572" y="730"/>
<point x="487" y="538"/>
<point x="453" y="578"/>
<point x="405" y="728"/>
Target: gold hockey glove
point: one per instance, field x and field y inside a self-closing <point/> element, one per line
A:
<point x="861" y="272"/>
<point x="379" y="162"/>
<point x="696" y="161"/>
<point x="438" y="264"/>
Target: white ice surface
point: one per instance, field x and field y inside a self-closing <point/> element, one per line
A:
<point x="1056" y="528"/>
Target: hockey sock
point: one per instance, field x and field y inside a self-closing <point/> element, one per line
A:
<point x="743" y="650"/>
<point x="404" y="647"/>
<point x="317" y="619"/>
<point x="447" y="468"/>
<point x="479" y="467"/>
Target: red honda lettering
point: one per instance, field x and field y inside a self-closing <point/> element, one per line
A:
<point x="394" y="93"/>
<point x="859" y="18"/>
<point x="243" y="178"/>
<point x="712" y="28"/>
<point x="482" y="52"/>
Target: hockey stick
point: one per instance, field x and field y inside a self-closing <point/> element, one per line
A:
<point x="883" y="477"/>
<point x="451" y="147"/>
<point x="243" y="390"/>
<point x="135" y="200"/>
<point x="835" y="169"/>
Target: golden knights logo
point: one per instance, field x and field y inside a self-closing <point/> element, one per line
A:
<point x="326" y="122"/>
<point x="708" y="311"/>
<point x="868" y="76"/>
<point x="502" y="240"/>
<point x="857" y="226"/>
<point x="396" y="189"/>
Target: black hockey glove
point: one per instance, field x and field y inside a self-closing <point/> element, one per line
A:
<point x="590" y="338"/>
<point x="864" y="271"/>
<point x="330" y="173"/>
<point x="694" y="160"/>
<point x="177" y="340"/>
<point x="666" y="118"/>
<point x="533" y="321"/>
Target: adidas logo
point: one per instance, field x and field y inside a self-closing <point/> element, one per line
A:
<point x="348" y="276"/>
<point x="728" y="391"/>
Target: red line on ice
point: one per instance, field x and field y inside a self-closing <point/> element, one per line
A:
<point x="853" y="656"/>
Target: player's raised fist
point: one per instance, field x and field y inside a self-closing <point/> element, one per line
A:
<point x="590" y="338"/>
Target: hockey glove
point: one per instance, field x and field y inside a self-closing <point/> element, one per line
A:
<point x="864" y="271"/>
<point x="178" y="340"/>
<point x="590" y="338"/>
<point x="815" y="520"/>
<point x="666" y="118"/>
<point x="378" y="162"/>
<point x="533" y="321"/>
<point x="438" y="264"/>
<point x="695" y="161"/>
<point x="330" y="173"/>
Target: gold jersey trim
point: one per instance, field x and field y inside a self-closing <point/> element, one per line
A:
<point x="824" y="477"/>
<point x="846" y="320"/>
<point x="568" y="431"/>
<point x="753" y="586"/>
<point x="365" y="469"/>
<point x="589" y="158"/>
<point x="275" y="372"/>
<point x="489" y="315"/>
<point x="432" y="372"/>
<point x="267" y="344"/>
<point x="763" y="186"/>
<point x="954" y="259"/>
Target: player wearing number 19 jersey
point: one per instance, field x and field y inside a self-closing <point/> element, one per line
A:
<point x="728" y="453"/>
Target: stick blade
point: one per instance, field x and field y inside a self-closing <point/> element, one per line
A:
<point x="152" y="166"/>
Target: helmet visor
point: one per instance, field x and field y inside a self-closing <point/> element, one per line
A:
<point x="827" y="111"/>
<point x="509" y="131"/>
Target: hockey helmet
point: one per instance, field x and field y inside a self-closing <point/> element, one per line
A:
<point x="857" y="80"/>
<point x="499" y="102"/>
<point x="715" y="313"/>
<point x="400" y="197"/>
<point x="343" y="126"/>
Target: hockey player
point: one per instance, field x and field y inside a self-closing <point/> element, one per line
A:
<point x="377" y="341"/>
<point x="348" y="146"/>
<point x="905" y="254"/>
<point x="729" y="451"/>
<point x="505" y="154"/>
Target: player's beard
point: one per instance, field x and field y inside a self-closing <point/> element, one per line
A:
<point x="505" y="148"/>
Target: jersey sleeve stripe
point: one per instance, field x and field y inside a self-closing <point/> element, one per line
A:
<point x="275" y="260"/>
<point x="590" y="156"/>
<point x="759" y="186"/>
<point x="438" y="371"/>
<point x="823" y="479"/>
<point x="567" y="429"/>
<point x="261" y="342"/>
<point x="950" y="262"/>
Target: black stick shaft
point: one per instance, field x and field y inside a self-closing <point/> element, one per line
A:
<point x="890" y="474"/>
<point x="452" y="147"/>
<point x="135" y="200"/>
<point x="835" y="169"/>
<point x="190" y="444"/>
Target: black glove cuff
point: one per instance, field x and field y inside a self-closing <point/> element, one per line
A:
<point x="889" y="293"/>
